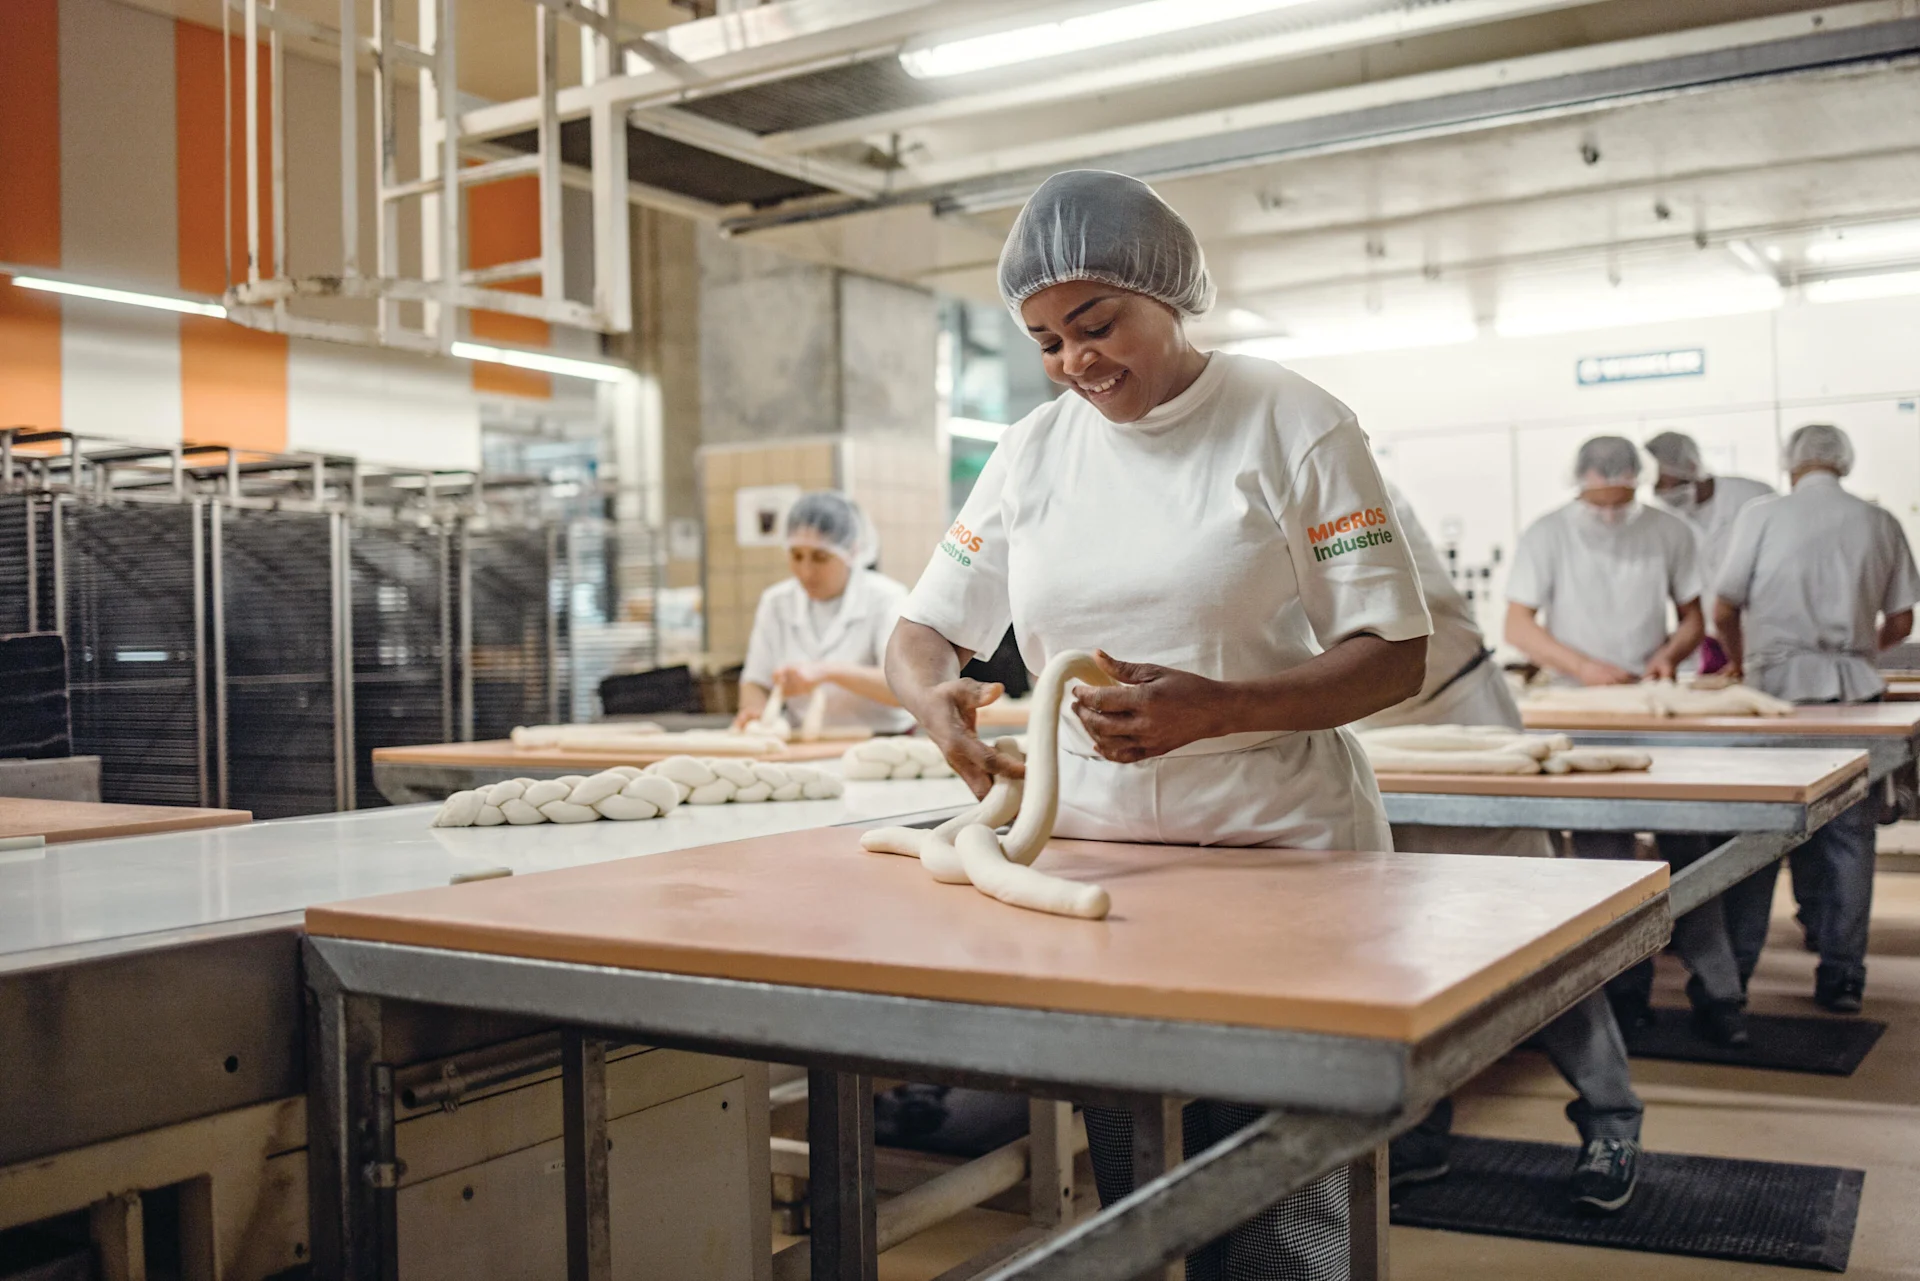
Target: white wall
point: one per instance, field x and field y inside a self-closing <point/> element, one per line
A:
<point x="1482" y="436"/>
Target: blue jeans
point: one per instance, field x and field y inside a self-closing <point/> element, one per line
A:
<point x="1833" y="881"/>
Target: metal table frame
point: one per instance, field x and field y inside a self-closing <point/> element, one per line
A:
<point x="1332" y="1100"/>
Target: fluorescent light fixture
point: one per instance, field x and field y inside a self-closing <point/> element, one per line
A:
<point x="1077" y="35"/>
<point x="1385" y="335"/>
<point x="1888" y="284"/>
<point x="1866" y="245"/>
<point x="976" y="429"/>
<point x="140" y="655"/>
<point x="159" y="302"/>
<point x="1651" y="307"/>
<point x="541" y="361"/>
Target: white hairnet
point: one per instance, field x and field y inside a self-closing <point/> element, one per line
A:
<point x="1606" y="461"/>
<point x="1819" y="445"/>
<point x="1088" y="224"/>
<point x="1677" y="455"/>
<point x="836" y="523"/>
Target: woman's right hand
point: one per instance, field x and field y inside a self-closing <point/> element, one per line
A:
<point x="1595" y="672"/>
<point x="948" y="713"/>
<point x="745" y="717"/>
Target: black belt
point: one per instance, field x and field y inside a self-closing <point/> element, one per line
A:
<point x="1451" y="681"/>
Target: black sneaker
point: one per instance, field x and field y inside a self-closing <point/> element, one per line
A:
<point x="1418" y="1157"/>
<point x="1605" y="1175"/>
<point x="1722" y="1022"/>
<point x="1842" y="996"/>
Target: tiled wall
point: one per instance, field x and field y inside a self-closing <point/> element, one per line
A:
<point x="903" y="489"/>
<point x="735" y="575"/>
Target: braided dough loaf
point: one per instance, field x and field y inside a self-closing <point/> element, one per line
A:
<point x="879" y="758"/>
<point x="966" y="850"/>
<point x="625" y="792"/>
<point x="1488" y="749"/>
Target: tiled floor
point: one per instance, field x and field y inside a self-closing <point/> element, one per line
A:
<point x="1870" y="1121"/>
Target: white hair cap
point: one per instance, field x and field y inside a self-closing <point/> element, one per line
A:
<point x="1605" y="461"/>
<point x="1088" y="224"/>
<point x="1677" y="455"/>
<point x="836" y="523"/>
<point x="1819" y="445"/>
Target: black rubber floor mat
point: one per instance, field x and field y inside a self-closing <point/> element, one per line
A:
<point x="1798" y="1216"/>
<point x="1782" y="1042"/>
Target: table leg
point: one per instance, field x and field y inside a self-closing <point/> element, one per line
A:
<point x="1050" y="1161"/>
<point x="1158" y="1146"/>
<point x="840" y="1176"/>
<point x="583" y="1105"/>
<point x="348" y="1238"/>
<point x="1367" y="1207"/>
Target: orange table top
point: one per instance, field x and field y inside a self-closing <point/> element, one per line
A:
<point x="502" y="754"/>
<point x="1388" y="946"/>
<point x="1903" y="689"/>
<point x="1795" y="775"/>
<point x="61" y="821"/>
<point x="1873" y="720"/>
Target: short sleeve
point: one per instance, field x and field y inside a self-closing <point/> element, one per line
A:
<point x="1530" y="581"/>
<point x="1683" y="564"/>
<point x="962" y="594"/>
<point x="1903" y="584"/>
<point x="1734" y="581"/>
<point x="1350" y="554"/>
<point x="763" y="643"/>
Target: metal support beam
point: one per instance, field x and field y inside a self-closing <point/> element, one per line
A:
<point x="583" y="1104"/>
<point x="843" y="1245"/>
<point x="216" y="576"/>
<point x="343" y="1045"/>
<point x="349" y="138"/>
<point x="1159" y="1144"/>
<point x="547" y="152"/>
<point x="1367" y="1209"/>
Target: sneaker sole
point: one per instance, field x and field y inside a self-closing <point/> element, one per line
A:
<point x="1606" y="1207"/>
<point x="1409" y="1178"/>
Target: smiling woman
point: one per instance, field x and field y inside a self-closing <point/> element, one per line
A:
<point x="1219" y="522"/>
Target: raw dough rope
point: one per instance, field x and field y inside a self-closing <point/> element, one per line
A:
<point x="966" y="850"/>
<point x="642" y="738"/>
<point x="1488" y="749"/>
<point x="895" y="758"/>
<point x="626" y="793"/>
<point x="1658" y="698"/>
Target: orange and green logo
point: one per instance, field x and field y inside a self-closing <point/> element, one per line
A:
<point x="1349" y="533"/>
<point x="961" y="543"/>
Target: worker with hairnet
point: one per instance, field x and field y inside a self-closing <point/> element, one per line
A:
<point x="1708" y="502"/>
<point x="1816" y="583"/>
<point x="1465" y="687"/>
<point x="821" y="632"/>
<point x="1604" y="571"/>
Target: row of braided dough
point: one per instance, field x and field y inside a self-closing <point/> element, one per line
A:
<point x="965" y="850"/>
<point x="1489" y="749"/>
<point x="895" y="758"/>
<point x="626" y="793"/>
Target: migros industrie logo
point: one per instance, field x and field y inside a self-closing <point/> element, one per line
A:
<point x="961" y="543"/>
<point x="1349" y="533"/>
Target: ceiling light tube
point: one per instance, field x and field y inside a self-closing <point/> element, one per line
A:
<point x="99" y="293"/>
<point x="976" y="429"/>
<point x="1077" y="35"/>
<point x="1887" y="284"/>
<point x="1865" y="245"/>
<point x="541" y="361"/>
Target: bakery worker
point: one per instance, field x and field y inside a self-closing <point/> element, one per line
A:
<point x="1708" y="502"/>
<point x="1465" y="687"/>
<point x="1604" y="570"/>
<point x="1816" y="582"/>
<point x="1215" y="527"/>
<point x="825" y="628"/>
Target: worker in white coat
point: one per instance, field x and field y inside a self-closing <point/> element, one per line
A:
<point x="1815" y="584"/>
<point x="1685" y="487"/>
<point x="1216" y="528"/>
<point x="1464" y="686"/>
<point x="1604" y="570"/>
<point x="822" y="631"/>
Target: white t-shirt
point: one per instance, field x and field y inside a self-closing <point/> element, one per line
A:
<point x="1810" y="571"/>
<point x="1604" y="589"/>
<point x="787" y="628"/>
<point x="1235" y="531"/>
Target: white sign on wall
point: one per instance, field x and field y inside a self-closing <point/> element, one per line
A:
<point x="760" y="514"/>
<point x="1690" y="362"/>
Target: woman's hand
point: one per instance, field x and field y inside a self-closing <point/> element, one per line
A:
<point x="1595" y="672"/>
<point x="746" y="717"/>
<point x="1152" y="711"/>
<point x="1660" y="668"/>
<point x="796" y="679"/>
<point x="948" y="715"/>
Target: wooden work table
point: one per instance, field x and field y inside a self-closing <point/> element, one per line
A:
<point x="1374" y="945"/>
<point x="1828" y="720"/>
<point x="1797" y="776"/>
<point x="64" y="821"/>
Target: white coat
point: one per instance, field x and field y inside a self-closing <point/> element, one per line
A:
<point x="1235" y="531"/>
<point x="1810" y="572"/>
<point x="784" y="633"/>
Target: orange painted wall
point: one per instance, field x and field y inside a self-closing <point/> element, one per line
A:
<point x="233" y="380"/>
<point x="29" y="209"/>
<point x="503" y="225"/>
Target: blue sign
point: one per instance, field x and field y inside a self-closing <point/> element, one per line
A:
<point x="1690" y="362"/>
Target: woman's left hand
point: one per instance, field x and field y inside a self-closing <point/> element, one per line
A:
<point x="1150" y="712"/>
<point x="800" y="678"/>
